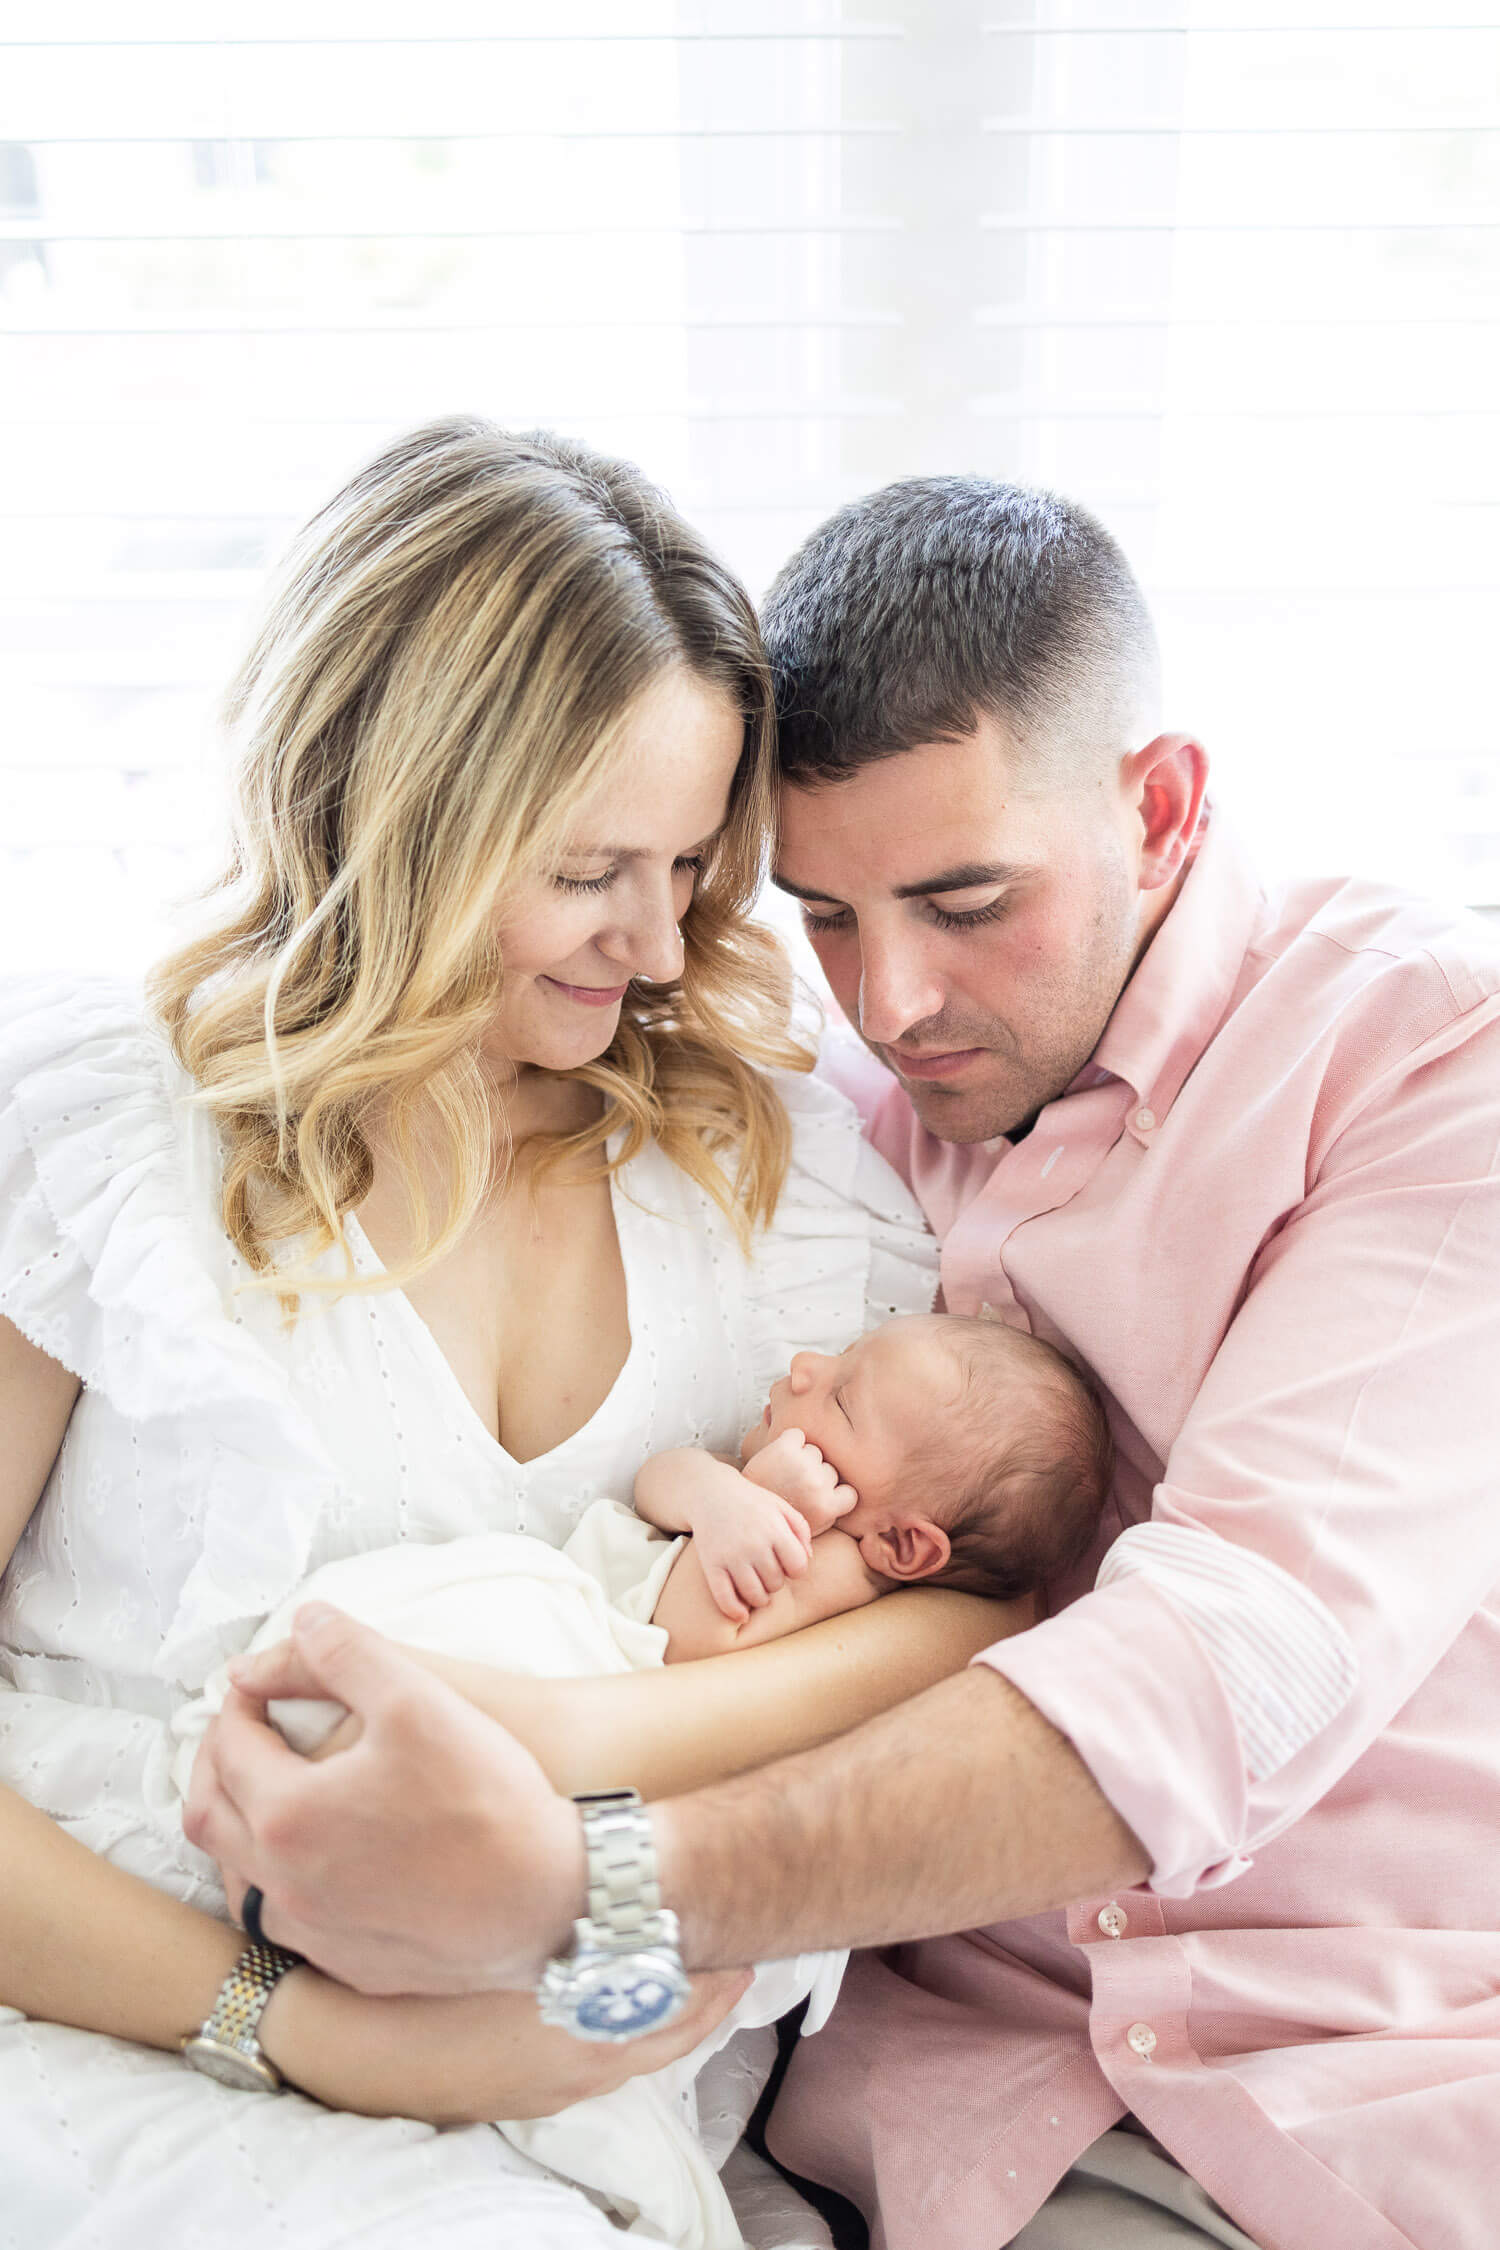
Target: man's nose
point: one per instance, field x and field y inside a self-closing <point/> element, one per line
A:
<point x="896" y="988"/>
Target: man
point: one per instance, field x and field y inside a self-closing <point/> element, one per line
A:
<point x="1217" y="1826"/>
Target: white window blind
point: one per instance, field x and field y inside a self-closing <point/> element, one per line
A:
<point x="1230" y="276"/>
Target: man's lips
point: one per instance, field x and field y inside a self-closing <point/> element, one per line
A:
<point x="941" y="1065"/>
<point x="589" y="995"/>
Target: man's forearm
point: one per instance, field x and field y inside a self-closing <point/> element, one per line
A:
<point x="961" y="1807"/>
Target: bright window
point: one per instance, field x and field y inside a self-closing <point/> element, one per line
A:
<point x="1231" y="278"/>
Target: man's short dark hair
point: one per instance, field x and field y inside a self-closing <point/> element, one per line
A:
<point x="911" y="615"/>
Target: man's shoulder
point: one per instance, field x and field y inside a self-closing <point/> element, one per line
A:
<point x="1362" y="951"/>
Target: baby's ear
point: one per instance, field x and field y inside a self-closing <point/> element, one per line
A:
<point x="909" y="1548"/>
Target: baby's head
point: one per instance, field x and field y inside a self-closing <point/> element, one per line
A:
<point x="980" y="1455"/>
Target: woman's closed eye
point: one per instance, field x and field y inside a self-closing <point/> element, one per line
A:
<point x="690" y="864"/>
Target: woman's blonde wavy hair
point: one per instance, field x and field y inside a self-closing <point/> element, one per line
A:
<point x="440" y="680"/>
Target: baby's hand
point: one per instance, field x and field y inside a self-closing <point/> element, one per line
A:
<point x="749" y="1543"/>
<point x="796" y="1470"/>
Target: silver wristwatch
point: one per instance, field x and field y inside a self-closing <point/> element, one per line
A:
<point x="623" y="1975"/>
<point x="226" y="2046"/>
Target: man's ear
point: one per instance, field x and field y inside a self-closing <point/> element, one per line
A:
<point x="1167" y="780"/>
<point x="909" y="1548"/>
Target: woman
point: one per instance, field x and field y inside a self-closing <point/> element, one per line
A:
<point x="464" y="1162"/>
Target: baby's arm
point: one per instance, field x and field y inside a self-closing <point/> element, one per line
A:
<point x="748" y="1541"/>
<point x="835" y="1580"/>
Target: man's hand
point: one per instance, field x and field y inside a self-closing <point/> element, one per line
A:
<point x="431" y="1856"/>
<point x="797" y="1471"/>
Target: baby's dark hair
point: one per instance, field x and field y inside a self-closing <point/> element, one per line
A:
<point x="1019" y="1495"/>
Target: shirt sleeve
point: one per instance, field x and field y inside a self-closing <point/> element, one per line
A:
<point x="1327" y="1519"/>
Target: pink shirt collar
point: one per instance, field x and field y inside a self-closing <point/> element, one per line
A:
<point x="1175" y="1001"/>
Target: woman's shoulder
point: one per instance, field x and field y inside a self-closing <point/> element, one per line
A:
<point x="113" y="1261"/>
<point x="847" y="1247"/>
<point x="831" y="1157"/>
<point x="47" y="1022"/>
<point x="100" y="1158"/>
<point x="90" y="1091"/>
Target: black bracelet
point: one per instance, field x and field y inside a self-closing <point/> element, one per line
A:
<point x="255" y="1899"/>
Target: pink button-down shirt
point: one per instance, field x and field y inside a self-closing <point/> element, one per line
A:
<point x="1268" y="1217"/>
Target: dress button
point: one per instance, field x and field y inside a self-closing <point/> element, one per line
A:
<point x="1142" y="2038"/>
<point x="1145" y="1120"/>
<point x="1113" y="1920"/>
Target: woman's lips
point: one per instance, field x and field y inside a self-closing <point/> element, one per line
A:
<point x="933" y="1066"/>
<point x="589" y="995"/>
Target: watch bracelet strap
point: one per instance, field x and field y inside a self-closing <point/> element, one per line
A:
<point x="624" y="1894"/>
<point x="243" y="1996"/>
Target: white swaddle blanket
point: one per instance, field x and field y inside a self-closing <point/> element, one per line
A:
<point x="506" y="1599"/>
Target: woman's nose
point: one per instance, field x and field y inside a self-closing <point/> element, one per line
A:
<point x="649" y="944"/>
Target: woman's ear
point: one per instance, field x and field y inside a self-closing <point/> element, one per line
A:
<point x="908" y="1548"/>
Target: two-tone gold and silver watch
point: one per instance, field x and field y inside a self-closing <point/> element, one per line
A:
<point x="226" y="2045"/>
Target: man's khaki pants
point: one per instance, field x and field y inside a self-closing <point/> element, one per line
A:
<point x="1125" y="2193"/>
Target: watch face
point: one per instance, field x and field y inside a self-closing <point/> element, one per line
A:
<point x="624" y="1996"/>
<point x="231" y="2067"/>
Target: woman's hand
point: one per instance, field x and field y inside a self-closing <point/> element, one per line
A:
<point x="433" y="1856"/>
<point x="461" y="2061"/>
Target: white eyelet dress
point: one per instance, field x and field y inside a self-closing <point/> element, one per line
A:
<point x="213" y="1459"/>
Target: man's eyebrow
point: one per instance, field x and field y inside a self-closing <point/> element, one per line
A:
<point x="972" y="876"/>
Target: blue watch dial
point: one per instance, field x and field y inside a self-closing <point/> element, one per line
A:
<point x="623" y="2005"/>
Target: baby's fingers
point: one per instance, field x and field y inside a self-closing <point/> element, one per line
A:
<point x="790" y="1551"/>
<point x="753" y="1586"/>
<point x="726" y="1600"/>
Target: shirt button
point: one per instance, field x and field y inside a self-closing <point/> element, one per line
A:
<point x="1142" y="2039"/>
<point x="1113" y="1920"/>
<point x="1145" y="1120"/>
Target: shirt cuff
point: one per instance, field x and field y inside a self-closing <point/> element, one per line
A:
<point x="1286" y="1663"/>
<point x="1131" y="1675"/>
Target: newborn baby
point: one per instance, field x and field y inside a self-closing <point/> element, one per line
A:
<point x="959" y="1452"/>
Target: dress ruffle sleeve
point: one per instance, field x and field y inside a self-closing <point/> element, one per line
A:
<point x="108" y="1236"/>
<point x="848" y="1247"/>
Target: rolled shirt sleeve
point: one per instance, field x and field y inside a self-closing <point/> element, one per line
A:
<point x="1328" y="1517"/>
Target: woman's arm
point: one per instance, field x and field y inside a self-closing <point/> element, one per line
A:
<point x="671" y="1731"/>
<point x="80" y="1942"/>
<point x="435" y="1855"/>
<point x="83" y="1943"/>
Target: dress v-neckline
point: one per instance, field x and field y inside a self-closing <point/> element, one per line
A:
<point x="367" y="1259"/>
